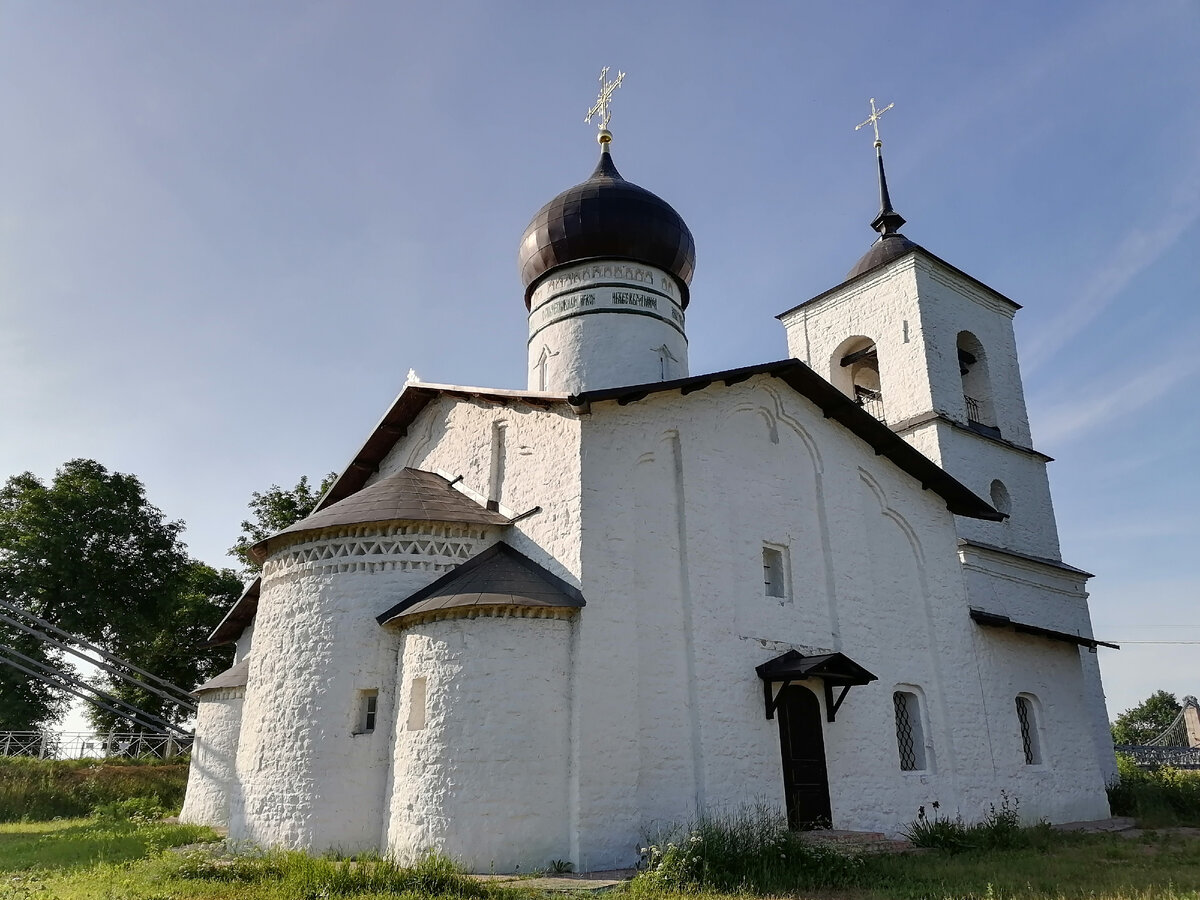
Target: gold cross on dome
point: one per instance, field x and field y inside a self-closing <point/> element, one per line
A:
<point x="604" y="101"/>
<point x="873" y="120"/>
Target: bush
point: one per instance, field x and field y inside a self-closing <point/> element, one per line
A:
<point x="34" y="790"/>
<point x="752" y="850"/>
<point x="1157" y="797"/>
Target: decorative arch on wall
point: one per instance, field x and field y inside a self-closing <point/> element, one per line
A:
<point x="854" y="370"/>
<point x="976" y="381"/>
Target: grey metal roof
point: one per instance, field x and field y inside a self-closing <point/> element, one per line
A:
<point x="410" y="494"/>
<point x="996" y="620"/>
<point x="883" y="251"/>
<point x="497" y="577"/>
<point x="240" y="615"/>
<point x="234" y="676"/>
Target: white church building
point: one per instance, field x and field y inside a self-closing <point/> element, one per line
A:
<point x="536" y="625"/>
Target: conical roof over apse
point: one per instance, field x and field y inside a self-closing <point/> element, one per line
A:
<point x="408" y="495"/>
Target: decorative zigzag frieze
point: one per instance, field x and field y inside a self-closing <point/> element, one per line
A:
<point x="428" y="548"/>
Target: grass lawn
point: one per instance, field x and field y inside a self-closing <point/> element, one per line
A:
<point x="69" y="859"/>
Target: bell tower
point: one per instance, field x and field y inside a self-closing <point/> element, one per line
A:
<point x="930" y="350"/>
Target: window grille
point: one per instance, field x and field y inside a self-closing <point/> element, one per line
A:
<point x="1029" y="737"/>
<point x="908" y="731"/>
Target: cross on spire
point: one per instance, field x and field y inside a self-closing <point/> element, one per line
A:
<point x="873" y="121"/>
<point x="601" y="109"/>
<point x="888" y="221"/>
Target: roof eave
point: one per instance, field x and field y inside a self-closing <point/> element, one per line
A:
<point x="917" y="248"/>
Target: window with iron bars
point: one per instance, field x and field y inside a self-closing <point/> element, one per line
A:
<point x="1029" y="735"/>
<point x="910" y="740"/>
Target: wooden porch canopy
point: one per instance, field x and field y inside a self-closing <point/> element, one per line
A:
<point x="834" y="670"/>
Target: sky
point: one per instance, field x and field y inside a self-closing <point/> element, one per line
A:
<point x="228" y="229"/>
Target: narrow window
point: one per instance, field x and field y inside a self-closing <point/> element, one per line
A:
<point x="910" y="739"/>
<point x="368" y="704"/>
<point x="1029" y="732"/>
<point x="774" y="577"/>
<point x="416" y="704"/>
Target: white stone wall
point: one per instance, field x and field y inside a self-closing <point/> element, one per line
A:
<point x="541" y="468"/>
<point x="676" y="634"/>
<point x="308" y="779"/>
<point x="1031" y="526"/>
<point x="1069" y="783"/>
<point x="211" y="774"/>
<point x="884" y="308"/>
<point x="605" y="323"/>
<point x="914" y="311"/>
<point x="480" y="768"/>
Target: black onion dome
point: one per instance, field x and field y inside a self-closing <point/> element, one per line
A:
<point x="610" y="218"/>
<point x="884" y="250"/>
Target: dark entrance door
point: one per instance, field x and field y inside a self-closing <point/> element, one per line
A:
<point x="805" y="781"/>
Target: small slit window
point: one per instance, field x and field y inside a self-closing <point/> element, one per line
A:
<point x="910" y="739"/>
<point x="774" y="573"/>
<point x="1027" y="720"/>
<point x="368" y="707"/>
<point x="416" y="704"/>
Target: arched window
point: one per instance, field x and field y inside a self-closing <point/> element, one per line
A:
<point x="976" y="385"/>
<point x="1001" y="501"/>
<point x="1031" y="742"/>
<point x="910" y="735"/>
<point x="854" y="370"/>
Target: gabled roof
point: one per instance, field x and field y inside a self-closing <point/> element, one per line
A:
<point x="410" y="494"/>
<point x="239" y="616"/>
<point x="835" y="405"/>
<point x="496" y="578"/>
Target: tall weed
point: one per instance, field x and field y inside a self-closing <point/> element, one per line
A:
<point x="751" y="850"/>
<point x="1001" y="829"/>
<point x="33" y="790"/>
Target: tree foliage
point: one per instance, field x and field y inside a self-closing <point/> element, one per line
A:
<point x="1147" y="720"/>
<point x="274" y="510"/>
<point x="172" y="644"/>
<point x="89" y="553"/>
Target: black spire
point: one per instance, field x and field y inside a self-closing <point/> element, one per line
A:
<point x="888" y="221"/>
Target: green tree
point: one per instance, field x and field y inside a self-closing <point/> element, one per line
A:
<point x="274" y="510"/>
<point x="1147" y="720"/>
<point x="89" y="553"/>
<point x="173" y="644"/>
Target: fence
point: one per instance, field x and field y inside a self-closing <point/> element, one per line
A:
<point x="89" y="745"/>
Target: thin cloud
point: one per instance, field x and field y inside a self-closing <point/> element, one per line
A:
<point x="1138" y="249"/>
<point x="1118" y="397"/>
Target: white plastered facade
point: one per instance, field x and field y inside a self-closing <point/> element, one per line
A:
<point x="509" y="741"/>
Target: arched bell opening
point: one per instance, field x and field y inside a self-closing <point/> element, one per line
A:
<point x="854" y="370"/>
<point x="976" y="383"/>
